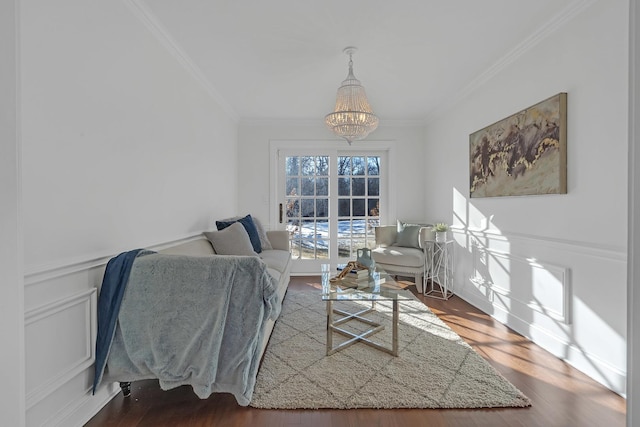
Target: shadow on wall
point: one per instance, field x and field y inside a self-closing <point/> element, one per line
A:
<point x="509" y="276"/>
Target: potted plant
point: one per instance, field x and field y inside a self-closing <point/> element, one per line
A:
<point x="441" y="232"/>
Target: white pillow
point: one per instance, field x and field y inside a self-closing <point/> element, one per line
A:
<point x="232" y="240"/>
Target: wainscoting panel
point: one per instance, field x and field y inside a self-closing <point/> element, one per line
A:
<point x="60" y="335"/>
<point x="549" y="290"/>
<point x="566" y="296"/>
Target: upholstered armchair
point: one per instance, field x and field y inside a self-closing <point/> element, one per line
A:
<point x="399" y="249"/>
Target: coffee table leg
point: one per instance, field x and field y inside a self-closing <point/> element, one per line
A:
<point x="329" y="325"/>
<point x="395" y="328"/>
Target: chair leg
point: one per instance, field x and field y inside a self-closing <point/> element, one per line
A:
<point x="126" y="388"/>
<point x="418" y="280"/>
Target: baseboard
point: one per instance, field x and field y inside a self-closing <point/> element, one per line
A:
<point x="599" y="370"/>
<point x="82" y="410"/>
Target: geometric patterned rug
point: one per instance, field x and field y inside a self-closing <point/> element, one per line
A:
<point x="435" y="368"/>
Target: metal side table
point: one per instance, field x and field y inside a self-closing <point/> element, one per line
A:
<point x="438" y="269"/>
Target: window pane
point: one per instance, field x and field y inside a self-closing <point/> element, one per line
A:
<point x="295" y="249"/>
<point x="293" y="208"/>
<point x="373" y="206"/>
<point x="292" y="166"/>
<point x="307" y="249"/>
<point x="357" y="187"/>
<point x="322" y="186"/>
<point x="293" y="186"/>
<point x="344" y="207"/>
<point x="308" y="165"/>
<point x="358" y="207"/>
<point x="322" y="234"/>
<point x="344" y="187"/>
<point x="308" y="187"/>
<point x="373" y="165"/>
<point x="293" y="229"/>
<point x="322" y="165"/>
<point x="358" y="165"/>
<point x="344" y="248"/>
<point x="308" y="208"/>
<point x="344" y="165"/>
<point x="344" y="229"/>
<point x="322" y="207"/>
<point x="373" y="186"/>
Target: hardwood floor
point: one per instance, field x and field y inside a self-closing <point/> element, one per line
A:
<point x="561" y="395"/>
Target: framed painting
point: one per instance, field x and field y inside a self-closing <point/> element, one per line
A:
<point x="523" y="154"/>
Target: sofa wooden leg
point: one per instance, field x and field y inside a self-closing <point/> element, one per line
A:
<point x="126" y="388"/>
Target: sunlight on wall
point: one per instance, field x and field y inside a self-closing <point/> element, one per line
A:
<point x="509" y="276"/>
<point x="517" y="285"/>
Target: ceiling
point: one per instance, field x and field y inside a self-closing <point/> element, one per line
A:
<point x="283" y="59"/>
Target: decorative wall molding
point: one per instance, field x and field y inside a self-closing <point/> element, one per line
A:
<point x="144" y="14"/>
<point x="548" y="28"/>
<point x="586" y="248"/>
<point x="497" y="262"/>
<point x="42" y="273"/>
<point x="87" y="298"/>
<point x="561" y="313"/>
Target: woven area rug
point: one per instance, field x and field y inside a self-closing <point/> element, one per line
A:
<point x="435" y="367"/>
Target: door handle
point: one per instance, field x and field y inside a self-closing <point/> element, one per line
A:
<point x="280" y="213"/>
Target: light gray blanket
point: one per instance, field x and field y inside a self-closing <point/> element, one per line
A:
<point x="194" y="320"/>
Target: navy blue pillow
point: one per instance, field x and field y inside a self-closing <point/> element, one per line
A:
<point x="249" y="225"/>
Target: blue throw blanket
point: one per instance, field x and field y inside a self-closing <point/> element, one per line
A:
<point x="114" y="282"/>
<point x="196" y="321"/>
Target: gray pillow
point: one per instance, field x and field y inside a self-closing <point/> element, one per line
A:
<point x="232" y="240"/>
<point x="262" y="234"/>
<point x="408" y="235"/>
<point x="264" y="240"/>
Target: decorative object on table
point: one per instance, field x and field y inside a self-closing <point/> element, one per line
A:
<point x="524" y="154"/>
<point x="440" y="230"/>
<point x="348" y="268"/>
<point x="353" y="118"/>
<point x="364" y="258"/>
<point x="434" y="368"/>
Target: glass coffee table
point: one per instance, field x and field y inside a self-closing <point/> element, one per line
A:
<point x="380" y="286"/>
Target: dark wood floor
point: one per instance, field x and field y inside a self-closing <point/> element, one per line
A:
<point x="561" y="395"/>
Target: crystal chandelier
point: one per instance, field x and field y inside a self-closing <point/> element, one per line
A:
<point x="352" y="118"/>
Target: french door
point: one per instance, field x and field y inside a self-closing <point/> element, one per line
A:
<point x="329" y="202"/>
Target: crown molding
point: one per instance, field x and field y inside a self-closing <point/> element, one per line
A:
<point x="564" y="16"/>
<point x="146" y="16"/>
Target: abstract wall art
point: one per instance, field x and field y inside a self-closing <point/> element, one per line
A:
<point x="524" y="154"/>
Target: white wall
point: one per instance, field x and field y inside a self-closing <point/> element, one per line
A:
<point x="253" y="145"/>
<point x="12" y="400"/>
<point x="552" y="267"/>
<point x="122" y="148"/>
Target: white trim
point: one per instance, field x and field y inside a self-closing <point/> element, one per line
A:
<point x="148" y="18"/>
<point x="80" y="411"/>
<point x="587" y="248"/>
<point x="89" y="299"/>
<point x="44" y="272"/>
